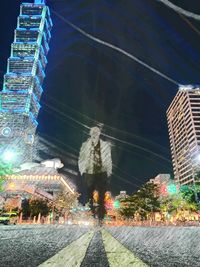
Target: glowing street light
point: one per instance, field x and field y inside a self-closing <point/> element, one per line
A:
<point x="198" y="158"/>
<point x="11" y="186"/>
<point x="9" y="156"/>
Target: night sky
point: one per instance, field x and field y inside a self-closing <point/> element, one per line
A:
<point x="88" y="83"/>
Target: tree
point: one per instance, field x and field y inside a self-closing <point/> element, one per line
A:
<point x="26" y="208"/>
<point x="143" y="203"/>
<point x="128" y="207"/>
<point x="189" y="192"/>
<point x="148" y="200"/>
<point x="64" y="201"/>
<point x="178" y="205"/>
<point x="39" y="206"/>
<point x="5" y="169"/>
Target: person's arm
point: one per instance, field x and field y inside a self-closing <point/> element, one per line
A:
<point x="108" y="159"/>
<point x="81" y="160"/>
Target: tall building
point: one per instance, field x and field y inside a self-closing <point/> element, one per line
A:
<point x="22" y="86"/>
<point x="183" y="116"/>
<point x="161" y="178"/>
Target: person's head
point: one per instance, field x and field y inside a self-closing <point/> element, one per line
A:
<point x="95" y="133"/>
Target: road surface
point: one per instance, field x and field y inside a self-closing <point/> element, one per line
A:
<point x="77" y="246"/>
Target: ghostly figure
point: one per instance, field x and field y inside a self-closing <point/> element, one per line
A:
<point x="95" y="164"/>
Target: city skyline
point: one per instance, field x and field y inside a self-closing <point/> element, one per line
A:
<point x="100" y="160"/>
<point x="88" y="83"/>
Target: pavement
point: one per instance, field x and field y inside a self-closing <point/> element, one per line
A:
<point x="81" y="246"/>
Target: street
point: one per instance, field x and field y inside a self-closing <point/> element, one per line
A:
<point x="62" y="245"/>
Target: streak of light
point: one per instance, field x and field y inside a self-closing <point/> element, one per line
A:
<point x="114" y="174"/>
<point x="75" y="173"/>
<point x="70" y="171"/>
<point x="66" y="184"/>
<point x="180" y="10"/>
<point x="65" y="115"/>
<point x="125" y="180"/>
<point x="113" y="138"/>
<point x="116" y="48"/>
<point x="135" y="178"/>
<point x="63" y="144"/>
<point x="190" y="24"/>
<point x="108" y="136"/>
<point x="137" y="146"/>
<point x="95" y="122"/>
<point x="138" y="155"/>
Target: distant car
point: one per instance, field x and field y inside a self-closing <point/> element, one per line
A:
<point x="8" y="218"/>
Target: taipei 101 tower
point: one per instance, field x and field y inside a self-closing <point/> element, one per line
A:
<point x="22" y="85"/>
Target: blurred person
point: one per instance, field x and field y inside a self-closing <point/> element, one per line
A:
<point x="95" y="164"/>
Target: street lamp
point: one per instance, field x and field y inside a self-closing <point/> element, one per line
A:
<point x="9" y="156"/>
<point x="198" y="158"/>
<point x="11" y="186"/>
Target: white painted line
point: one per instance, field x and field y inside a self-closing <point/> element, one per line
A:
<point x="118" y="255"/>
<point x="72" y="255"/>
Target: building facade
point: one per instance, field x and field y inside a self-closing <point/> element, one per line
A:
<point x="22" y="86"/>
<point x="183" y="116"/>
<point x="165" y="185"/>
<point x="161" y="178"/>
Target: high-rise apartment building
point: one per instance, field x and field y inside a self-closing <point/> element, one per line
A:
<point x="22" y="87"/>
<point x="183" y="116"/>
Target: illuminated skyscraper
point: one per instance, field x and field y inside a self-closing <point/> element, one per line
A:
<point x="183" y="117"/>
<point x="22" y="87"/>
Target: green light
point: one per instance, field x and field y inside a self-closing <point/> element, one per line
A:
<point x="116" y="204"/>
<point x="171" y="189"/>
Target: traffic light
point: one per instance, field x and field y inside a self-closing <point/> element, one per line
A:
<point x="107" y="196"/>
<point x="95" y="196"/>
<point x="169" y="189"/>
<point x="163" y="190"/>
<point x="172" y="189"/>
<point x="116" y="204"/>
<point x="109" y="204"/>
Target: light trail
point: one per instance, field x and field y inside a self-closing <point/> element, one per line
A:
<point x="61" y="143"/>
<point x="114" y="174"/>
<point x="65" y="115"/>
<point x="95" y="122"/>
<point x="108" y="136"/>
<point x="125" y="180"/>
<point x="116" y="48"/>
<point x="131" y="176"/>
<point x="189" y="24"/>
<point x="180" y="10"/>
<point x="136" y="146"/>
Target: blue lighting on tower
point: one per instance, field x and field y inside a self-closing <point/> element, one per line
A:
<point x="22" y="87"/>
<point x="40" y="1"/>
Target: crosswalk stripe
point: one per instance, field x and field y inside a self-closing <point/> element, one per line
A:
<point x="72" y="255"/>
<point x="118" y="255"/>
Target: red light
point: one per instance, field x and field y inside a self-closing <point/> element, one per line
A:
<point x="163" y="190"/>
